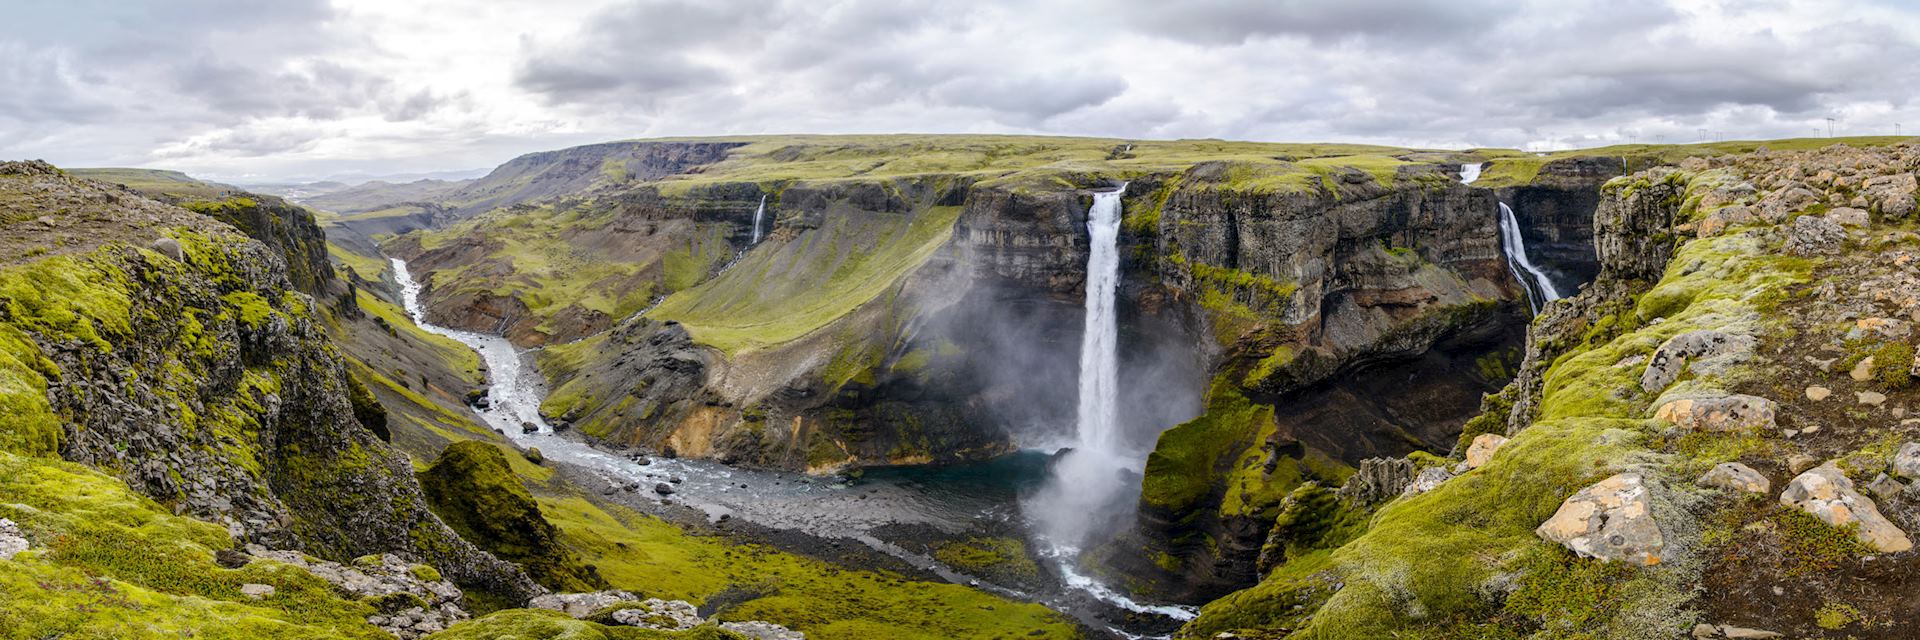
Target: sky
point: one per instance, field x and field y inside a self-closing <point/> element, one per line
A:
<point x="290" y="90"/>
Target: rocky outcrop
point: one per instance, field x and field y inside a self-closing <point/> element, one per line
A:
<point x="209" y="385"/>
<point x="410" y="601"/>
<point x="1634" y="228"/>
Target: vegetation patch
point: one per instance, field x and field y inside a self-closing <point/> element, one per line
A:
<point x="473" y="489"/>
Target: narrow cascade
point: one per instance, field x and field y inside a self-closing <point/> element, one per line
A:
<point x="757" y="214"/>
<point x="1514" y="245"/>
<point x="1516" y="249"/>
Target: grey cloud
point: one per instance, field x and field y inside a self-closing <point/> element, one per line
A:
<point x="1218" y="22"/>
<point x="1030" y="97"/>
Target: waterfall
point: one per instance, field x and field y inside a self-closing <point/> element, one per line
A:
<point x="757" y="214"/>
<point x="1099" y="342"/>
<point x="1530" y="277"/>
<point x="1089" y="476"/>
<point x="1516" y="249"/>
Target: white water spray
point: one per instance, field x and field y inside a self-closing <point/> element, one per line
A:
<point x="1531" y="278"/>
<point x="757" y="214"/>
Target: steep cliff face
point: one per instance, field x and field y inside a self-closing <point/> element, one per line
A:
<point x="1311" y="296"/>
<point x="1721" y="278"/>
<point x="166" y="349"/>
<point x="1555" y="211"/>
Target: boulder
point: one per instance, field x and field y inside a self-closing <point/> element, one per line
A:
<point x="1818" y="393"/>
<point x="1825" y="492"/>
<point x="1725" y="413"/>
<point x="1885" y="487"/>
<point x="665" y="615"/>
<point x="1893" y="195"/>
<point x="1426" y="480"/>
<point x="1710" y="350"/>
<point x="12" y="540"/>
<point x="1906" y="461"/>
<point x="763" y="630"/>
<point x="170" y="248"/>
<point x="581" y="605"/>
<point x="1849" y="217"/>
<point x="1736" y="477"/>
<point x="257" y="591"/>
<point x="1481" y="451"/>
<point x="1718" y="221"/>
<point x="1814" y="235"/>
<point x="1611" y="520"/>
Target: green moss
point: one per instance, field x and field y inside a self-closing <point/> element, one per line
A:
<point x="1837" y="615"/>
<point x="639" y="552"/>
<point x="424" y="573"/>
<point x="109" y="563"/>
<point x="1186" y="461"/>
<point x="988" y="555"/>
<point x="1565" y="595"/>
<point x="1892" y="365"/>
<point x="1280" y="357"/>
<point x="475" y="491"/>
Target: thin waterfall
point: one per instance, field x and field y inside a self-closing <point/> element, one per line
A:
<point x="757" y="214"/>
<point x="1530" y="277"/>
<point x="1516" y="249"/>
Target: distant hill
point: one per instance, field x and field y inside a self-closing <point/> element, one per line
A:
<point x="158" y="182"/>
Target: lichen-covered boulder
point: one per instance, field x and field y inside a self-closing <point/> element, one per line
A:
<point x="1724" y="413"/>
<point x="1893" y="195"/>
<point x="1610" y="520"/>
<point x="1709" y="350"/>
<point x="1481" y="451"/>
<point x="1427" y="480"/>
<point x="1814" y="235"/>
<point x="1849" y="217"/>
<point x="1906" y="461"/>
<point x="12" y="541"/>
<point x="1736" y="477"/>
<point x="581" y="605"/>
<point x="763" y="630"/>
<point x="1825" y="492"/>
<point x="665" y="615"/>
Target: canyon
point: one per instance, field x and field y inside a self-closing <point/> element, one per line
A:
<point x="1167" y="388"/>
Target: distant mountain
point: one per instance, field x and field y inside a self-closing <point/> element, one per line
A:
<point x="157" y="182"/>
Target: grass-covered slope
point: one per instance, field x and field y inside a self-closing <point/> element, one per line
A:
<point x="1462" y="560"/>
<point x="106" y="563"/>
<point x="782" y="291"/>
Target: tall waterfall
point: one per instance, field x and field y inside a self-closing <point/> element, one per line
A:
<point x="1099" y="343"/>
<point x="757" y="214"/>
<point x="1531" y="278"/>
<point x="1088" y="477"/>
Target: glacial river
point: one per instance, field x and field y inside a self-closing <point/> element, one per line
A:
<point x="952" y="499"/>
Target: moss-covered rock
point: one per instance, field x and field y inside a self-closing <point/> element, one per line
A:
<point x="473" y="490"/>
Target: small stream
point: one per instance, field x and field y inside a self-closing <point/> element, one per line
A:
<point x="954" y="500"/>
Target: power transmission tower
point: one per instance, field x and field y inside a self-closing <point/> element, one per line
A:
<point x="1830" y="127"/>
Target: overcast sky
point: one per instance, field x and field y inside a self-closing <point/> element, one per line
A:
<point x="252" y="91"/>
